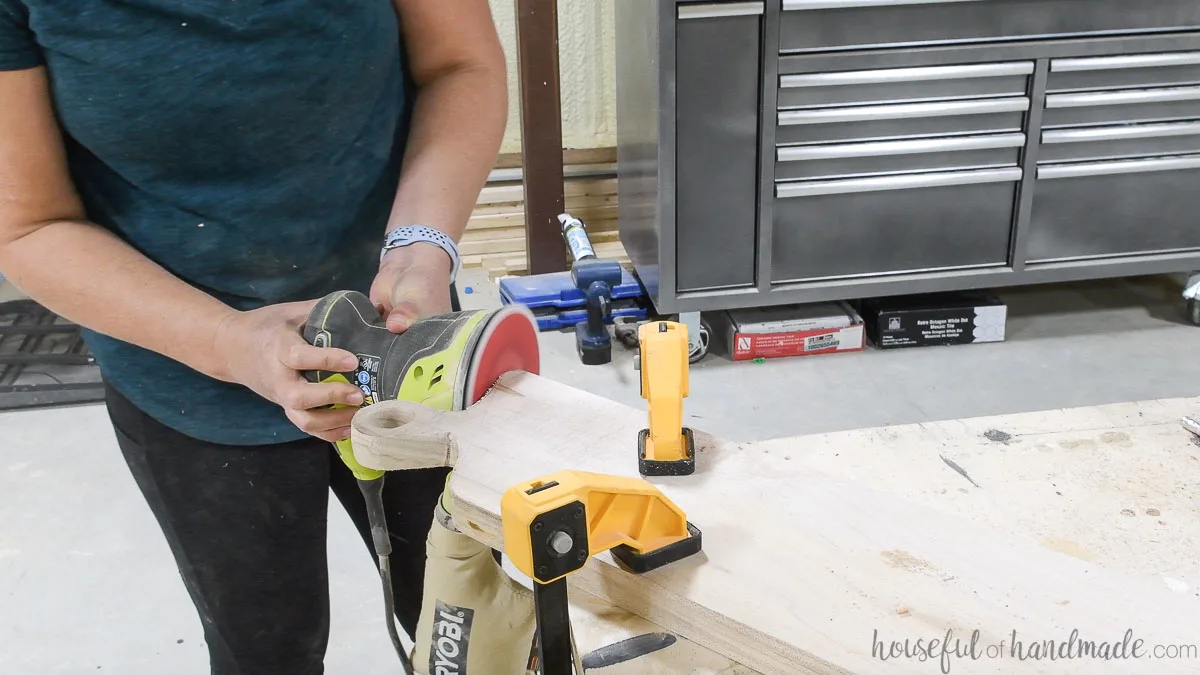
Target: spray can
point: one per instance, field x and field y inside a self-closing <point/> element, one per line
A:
<point x="575" y="234"/>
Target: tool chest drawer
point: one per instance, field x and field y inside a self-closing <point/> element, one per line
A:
<point x="900" y="85"/>
<point x="1122" y="72"/>
<point x="811" y="25"/>
<point x="922" y="154"/>
<point x="1121" y="107"/>
<point x="798" y="151"/>
<point x="1118" y="142"/>
<point x="717" y="86"/>
<point x="1097" y="209"/>
<point x="901" y="120"/>
<point x="891" y="224"/>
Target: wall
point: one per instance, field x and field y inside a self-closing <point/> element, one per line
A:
<point x="586" y="67"/>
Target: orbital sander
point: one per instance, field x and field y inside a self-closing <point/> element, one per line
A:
<point x="447" y="362"/>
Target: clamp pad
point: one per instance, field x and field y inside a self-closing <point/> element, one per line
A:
<point x="685" y="466"/>
<point x="640" y="563"/>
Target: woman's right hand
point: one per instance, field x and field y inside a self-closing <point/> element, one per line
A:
<point x="265" y="351"/>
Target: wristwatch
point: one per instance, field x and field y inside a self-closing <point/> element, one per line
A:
<point x="403" y="236"/>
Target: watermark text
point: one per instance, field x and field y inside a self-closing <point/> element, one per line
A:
<point x="946" y="649"/>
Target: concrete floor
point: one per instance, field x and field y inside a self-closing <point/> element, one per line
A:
<point x="87" y="584"/>
<point x="1068" y="345"/>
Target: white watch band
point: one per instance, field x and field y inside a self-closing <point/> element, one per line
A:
<point x="403" y="236"/>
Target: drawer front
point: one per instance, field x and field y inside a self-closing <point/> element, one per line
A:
<point x="813" y="25"/>
<point x="901" y="85"/>
<point x="1123" y="72"/>
<point x="860" y="159"/>
<point x="893" y="224"/>
<point x="1126" y="141"/>
<point x="716" y="144"/>
<point x="901" y="120"/>
<point x="1112" y="107"/>
<point x="1111" y="208"/>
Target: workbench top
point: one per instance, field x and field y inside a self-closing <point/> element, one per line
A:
<point x="1117" y="485"/>
<point x="1114" y="485"/>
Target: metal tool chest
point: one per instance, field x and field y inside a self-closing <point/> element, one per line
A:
<point x="803" y="150"/>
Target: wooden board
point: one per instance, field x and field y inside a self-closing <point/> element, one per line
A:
<point x="597" y="623"/>
<point x="1118" y="484"/>
<point x="803" y="570"/>
<point x="1052" y="476"/>
<point x="571" y="156"/>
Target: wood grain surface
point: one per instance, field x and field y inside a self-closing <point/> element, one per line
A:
<point x="817" y="564"/>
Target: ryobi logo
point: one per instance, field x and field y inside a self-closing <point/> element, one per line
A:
<point x="451" y="639"/>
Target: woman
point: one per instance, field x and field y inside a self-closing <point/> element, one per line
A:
<point x="185" y="179"/>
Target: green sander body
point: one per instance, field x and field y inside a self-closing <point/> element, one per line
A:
<point x="446" y="362"/>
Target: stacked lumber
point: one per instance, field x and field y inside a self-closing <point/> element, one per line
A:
<point x="495" y="235"/>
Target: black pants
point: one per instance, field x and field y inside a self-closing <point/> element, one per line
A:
<point x="247" y="526"/>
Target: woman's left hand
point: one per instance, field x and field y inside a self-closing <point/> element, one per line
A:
<point x="413" y="283"/>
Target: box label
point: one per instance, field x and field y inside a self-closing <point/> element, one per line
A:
<point x="773" y="345"/>
<point x="942" y="327"/>
<point x="817" y="343"/>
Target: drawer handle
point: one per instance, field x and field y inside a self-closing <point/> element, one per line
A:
<point x="720" y="9"/>
<point x="889" y="75"/>
<point x="886" y="148"/>
<point x="1121" y="133"/>
<point x="1116" y="168"/>
<point x="909" y="182"/>
<point x="796" y="5"/>
<point x="1171" y="95"/>
<point x="1124" y="62"/>
<point x="902" y="110"/>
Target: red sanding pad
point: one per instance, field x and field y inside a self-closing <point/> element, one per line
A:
<point x="509" y="342"/>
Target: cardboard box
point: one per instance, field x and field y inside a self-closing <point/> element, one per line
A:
<point x="934" y="319"/>
<point x="790" y="330"/>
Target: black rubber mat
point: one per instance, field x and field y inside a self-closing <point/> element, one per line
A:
<point x="43" y="360"/>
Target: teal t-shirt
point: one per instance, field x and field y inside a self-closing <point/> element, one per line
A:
<point x="250" y="147"/>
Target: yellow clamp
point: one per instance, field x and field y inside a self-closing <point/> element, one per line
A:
<point x="665" y="447"/>
<point x="552" y="525"/>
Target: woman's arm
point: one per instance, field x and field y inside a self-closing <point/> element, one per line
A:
<point x="86" y="274"/>
<point x="75" y="268"/>
<point x="461" y="110"/>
